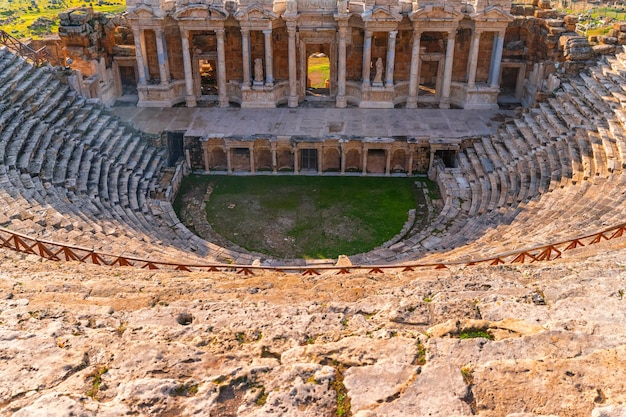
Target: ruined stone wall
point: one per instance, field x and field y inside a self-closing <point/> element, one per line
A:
<point x="174" y="53"/>
<point x="404" y="47"/>
<point x="484" y="56"/>
<point x="153" y="63"/>
<point x="354" y="56"/>
<point x="280" y="49"/>
<point x="462" y="44"/>
<point x="232" y="52"/>
<point x="257" y="48"/>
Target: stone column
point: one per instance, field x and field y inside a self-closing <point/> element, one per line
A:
<point x="364" y="162"/>
<point x="245" y="52"/>
<point x="388" y="162"/>
<point x="205" y="154"/>
<point x="367" y="58"/>
<point x="140" y="56"/>
<point x="269" y="58"/>
<point x="444" y="103"/>
<point x="472" y="62"/>
<point x="391" y="58"/>
<point x="190" y="97"/>
<point x="221" y="69"/>
<point x="409" y="168"/>
<point x="229" y="164"/>
<point x="164" y="66"/>
<point x="414" y="75"/>
<point x="252" y="164"/>
<point x="498" y="45"/>
<point x="341" y="67"/>
<point x="296" y="160"/>
<point x="320" y="159"/>
<point x="292" y="101"/>
<point x="274" y="159"/>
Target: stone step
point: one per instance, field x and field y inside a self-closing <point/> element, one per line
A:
<point x="617" y="133"/>
<point x="25" y="153"/>
<point x="598" y="104"/>
<point x="572" y="98"/>
<point x="11" y="76"/>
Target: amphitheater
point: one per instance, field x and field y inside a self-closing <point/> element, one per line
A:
<point x="509" y="303"/>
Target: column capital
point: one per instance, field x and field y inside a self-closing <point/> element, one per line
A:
<point x="368" y="33"/>
<point x="267" y="32"/>
<point x="393" y="33"/>
<point x="184" y="32"/>
<point x="158" y="31"/>
<point x="219" y="32"/>
<point x="244" y="30"/>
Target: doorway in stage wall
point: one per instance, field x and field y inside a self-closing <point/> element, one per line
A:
<point x="205" y="79"/>
<point x="175" y="142"/>
<point x="128" y="80"/>
<point x="208" y="77"/>
<point x="308" y="159"/>
<point x="318" y="75"/>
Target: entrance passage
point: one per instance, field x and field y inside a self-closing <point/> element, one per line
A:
<point x="208" y="77"/>
<point x="318" y="75"/>
<point x="508" y="84"/>
<point x="128" y="81"/>
<point x="174" y="147"/>
<point x="308" y="159"/>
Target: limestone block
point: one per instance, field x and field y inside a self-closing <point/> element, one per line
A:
<point x="604" y="49"/>
<point x="570" y="19"/>
<point x="438" y="391"/>
<point x="369" y="385"/>
<point x="608" y="40"/>
<point x="80" y="16"/>
<point x="418" y="314"/>
<point x="554" y="22"/>
<point x="557" y="30"/>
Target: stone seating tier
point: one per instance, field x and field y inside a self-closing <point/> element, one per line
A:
<point x="73" y="173"/>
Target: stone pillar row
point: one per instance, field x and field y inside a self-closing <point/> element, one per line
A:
<point x="297" y="157"/>
<point x="164" y="71"/>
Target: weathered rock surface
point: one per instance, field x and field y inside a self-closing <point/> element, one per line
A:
<point x="526" y="340"/>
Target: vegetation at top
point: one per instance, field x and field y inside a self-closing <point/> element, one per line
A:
<point x="594" y="18"/>
<point x="39" y="18"/>
<point x="319" y="71"/>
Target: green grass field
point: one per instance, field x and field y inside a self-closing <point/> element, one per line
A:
<point x="18" y="16"/>
<point x="307" y="217"/>
<point x="319" y="71"/>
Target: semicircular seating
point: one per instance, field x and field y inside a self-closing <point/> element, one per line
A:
<point x="73" y="173"/>
<point x="553" y="173"/>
